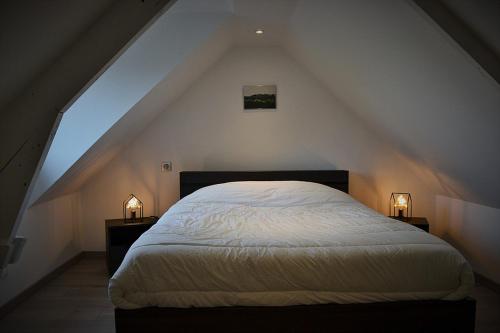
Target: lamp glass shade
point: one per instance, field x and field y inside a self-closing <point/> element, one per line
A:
<point x="132" y="208"/>
<point x="401" y="205"/>
<point x="133" y="203"/>
<point x="401" y="202"/>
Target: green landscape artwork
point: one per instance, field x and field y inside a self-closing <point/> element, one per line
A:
<point x="259" y="97"/>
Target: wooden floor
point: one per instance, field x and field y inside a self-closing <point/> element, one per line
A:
<point x="76" y="301"/>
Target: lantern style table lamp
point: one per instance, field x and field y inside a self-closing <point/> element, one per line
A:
<point x="403" y="204"/>
<point x="131" y="207"/>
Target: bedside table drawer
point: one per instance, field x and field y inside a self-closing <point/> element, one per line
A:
<point x="126" y="235"/>
<point x="120" y="236"/>
<point x="115" y="256"/>
<point x="419" y="222"/>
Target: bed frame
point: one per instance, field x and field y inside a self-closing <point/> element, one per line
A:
<point x="403" y="316"/>
<point x="191" y="181"/>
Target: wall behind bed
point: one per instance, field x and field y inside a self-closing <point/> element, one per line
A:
<point x="206" y="129"/>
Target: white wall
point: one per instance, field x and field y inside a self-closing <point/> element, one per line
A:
<point x="411" y="82"/>
<point x="474" y="230"/>
<point x="206" y="129"/>
<point x="53" y="238"/>
<point x="416" y="87"/>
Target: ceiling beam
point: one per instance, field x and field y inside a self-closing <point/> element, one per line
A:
<point x="464" y="35"/>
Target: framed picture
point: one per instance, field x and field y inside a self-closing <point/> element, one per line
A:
<point x="259" y="97"/>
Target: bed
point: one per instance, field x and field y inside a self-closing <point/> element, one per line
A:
<point x="287" y="251"/>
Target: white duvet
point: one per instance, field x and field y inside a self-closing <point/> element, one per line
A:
<point x="283" y="243"/>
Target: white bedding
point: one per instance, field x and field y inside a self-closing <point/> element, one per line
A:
<point x="283" y="243"/>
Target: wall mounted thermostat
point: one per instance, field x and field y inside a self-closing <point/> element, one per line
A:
<point x="166" y="166"/>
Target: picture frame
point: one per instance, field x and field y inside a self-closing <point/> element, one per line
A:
<point x="259" y="97"/>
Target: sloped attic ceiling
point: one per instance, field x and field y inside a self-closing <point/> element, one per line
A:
<point x="33" y="47"/>
<point x="168" y="42"/>
<point x="98" y="124"/>
<point x="409" y="80"/>
<point x="386" y="60"/>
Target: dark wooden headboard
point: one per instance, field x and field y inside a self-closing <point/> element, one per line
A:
<point x="191" y="181"/>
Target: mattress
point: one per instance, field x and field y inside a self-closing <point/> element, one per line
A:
<point x="283" y="243"/>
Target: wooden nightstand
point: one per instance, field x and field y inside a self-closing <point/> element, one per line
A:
<point x="120" y="236"/>
<point x="419" y="222"/>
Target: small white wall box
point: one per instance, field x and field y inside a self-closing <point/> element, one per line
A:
<point x="166" y="166"/>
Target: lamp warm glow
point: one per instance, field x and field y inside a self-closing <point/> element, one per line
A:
<point x="259" y="31"/>
<point x="403" y="203"/>
<point x="132" y="205"/>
